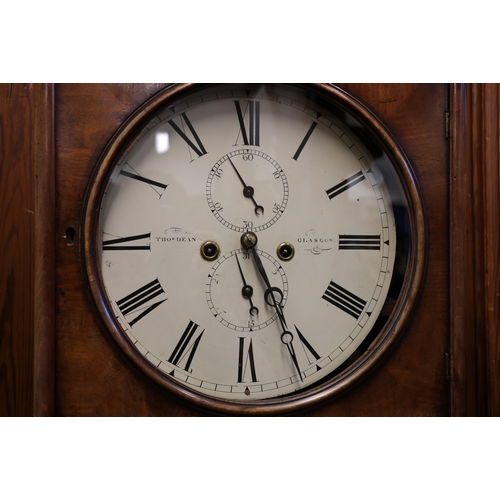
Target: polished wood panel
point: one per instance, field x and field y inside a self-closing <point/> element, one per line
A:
<point x="44" y="260"/>
<point x="475" y="249"/>
<point x="94" y="378"/>
<point x="27" y="200"/>
<point x="491" y="214"/>
<point x="16" y="248"/>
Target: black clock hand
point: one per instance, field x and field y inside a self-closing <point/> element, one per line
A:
<point x="248" y="191"/>
<point x="287" y="339"/>
<point x="249" y="241"/>
<point x="247" y="290"/>
<point x="286" y="336"/>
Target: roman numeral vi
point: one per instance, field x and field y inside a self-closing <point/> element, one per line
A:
<point x="243" y="360"/>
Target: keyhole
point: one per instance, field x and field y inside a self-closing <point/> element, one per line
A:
<point x="70" y="236"/>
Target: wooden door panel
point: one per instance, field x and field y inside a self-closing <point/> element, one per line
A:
<point x="93" y="378"/>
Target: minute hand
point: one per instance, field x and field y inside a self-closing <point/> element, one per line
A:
<point x="249" y="241"/>
<point x="270" y="293"/>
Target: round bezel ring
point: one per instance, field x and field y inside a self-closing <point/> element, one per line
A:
<point x="324" y="391"/>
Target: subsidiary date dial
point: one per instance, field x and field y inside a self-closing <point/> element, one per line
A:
<point x="247" y="189"/>
<point x="235" y="295"/>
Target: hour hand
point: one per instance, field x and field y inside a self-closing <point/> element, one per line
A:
<point x="247" y="290"/>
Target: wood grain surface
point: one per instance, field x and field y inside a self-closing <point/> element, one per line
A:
<point x="16" y="242"/>
<point x="475" y="249"/>
<point x="27" y="252"/>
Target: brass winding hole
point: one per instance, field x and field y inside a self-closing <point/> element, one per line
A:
<point x="285" y="251"/>
<point x="209" y="250"/>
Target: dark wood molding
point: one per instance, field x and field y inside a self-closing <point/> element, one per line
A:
<point x="27" y="205"/>
<point x="475" y="249"/>
<point x="491" y="140"/>
<point x="459" y="199"/>
<point x="45" y="241"/>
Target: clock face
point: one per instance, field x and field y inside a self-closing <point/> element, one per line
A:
<point x="246" y="243"/>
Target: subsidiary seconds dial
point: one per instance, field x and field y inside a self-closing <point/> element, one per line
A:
<point x="247" y="189"/>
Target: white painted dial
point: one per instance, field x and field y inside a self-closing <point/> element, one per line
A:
<point x="314" y="187"/>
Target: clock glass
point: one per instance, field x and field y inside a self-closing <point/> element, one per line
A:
<point x="246" y="243"/>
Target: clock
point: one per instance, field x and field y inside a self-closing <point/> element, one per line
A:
<point x="254" y="249"/>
